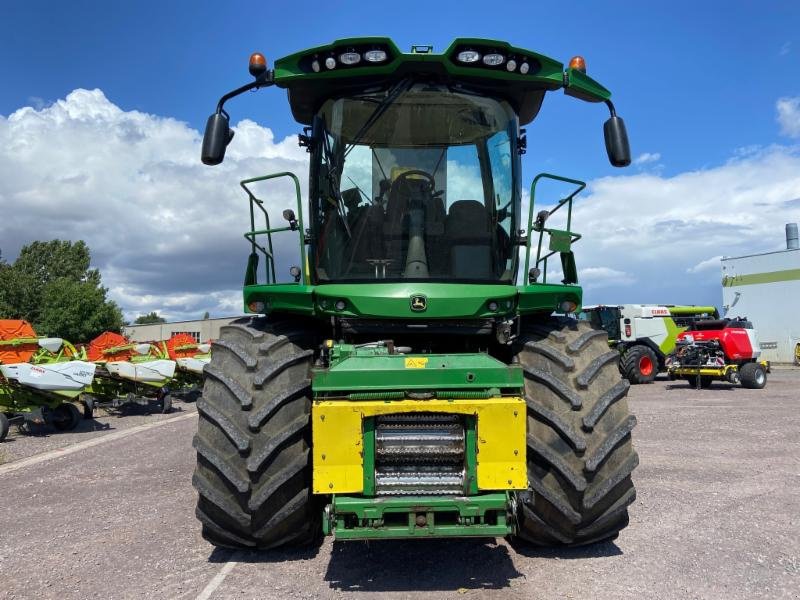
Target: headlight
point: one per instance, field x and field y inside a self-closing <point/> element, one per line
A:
<point x="494" y="59"/>
<point x="315" y="66"/>
<point x="524" y="68"/>
<point x="511" y="65"/>
<point x="468" y="56"/>
<point x="375" y="56"/>
<point x="330" y="62"/>
<point x="349" y="58"/>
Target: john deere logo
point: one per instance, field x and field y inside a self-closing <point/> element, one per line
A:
<point x="418" y="303"/>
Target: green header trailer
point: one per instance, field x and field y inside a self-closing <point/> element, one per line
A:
<point x="399" y="382"/>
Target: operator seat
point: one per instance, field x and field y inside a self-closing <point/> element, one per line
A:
<point x="469" y="238"/>
<point x="395" y="230"/>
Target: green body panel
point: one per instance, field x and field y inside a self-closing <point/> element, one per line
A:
<point x="580" y="85"/>
<point x="392" y="300"/>
<point x="668" y="345"/>
<point x="693" y="310"/>
<point x="373" y="370"/>
<point x="463" y="516"/>
<point x="16" y="399"/>
<point x="756" y="278"/>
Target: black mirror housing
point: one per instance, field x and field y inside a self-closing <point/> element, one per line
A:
<point x="617" y="146"/>
<point x="216" y="139"/>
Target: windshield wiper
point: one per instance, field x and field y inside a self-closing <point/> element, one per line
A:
<point x="400" y="87"/>
<point x="333" y="180"/>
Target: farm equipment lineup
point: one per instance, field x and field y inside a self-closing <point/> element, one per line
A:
<point x="719" y="350"/>
<point x="645" y="334"/>
<point x="401" y="384"/>
<point x="44" y="380"/>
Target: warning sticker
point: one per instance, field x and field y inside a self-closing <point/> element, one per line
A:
<point x="416" y="362"/>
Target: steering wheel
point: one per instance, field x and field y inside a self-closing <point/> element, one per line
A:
<point x="403" y="179"/>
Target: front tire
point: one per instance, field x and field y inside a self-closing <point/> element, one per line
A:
<point x="752" y="376"/>
<point x="253" y="473"/>
<point x="580" y="453"/>
<point x="639" y="364"/>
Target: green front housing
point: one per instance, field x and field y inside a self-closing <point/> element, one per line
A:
<point x="349" y="374"/>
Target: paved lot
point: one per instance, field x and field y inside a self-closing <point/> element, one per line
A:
<point x="717" y="516"/>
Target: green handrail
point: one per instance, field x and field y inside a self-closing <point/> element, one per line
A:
<point x="574" y="237"/>
<point x="268" y="231"/>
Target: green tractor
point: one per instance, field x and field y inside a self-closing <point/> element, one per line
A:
<point x="402" y="384"/>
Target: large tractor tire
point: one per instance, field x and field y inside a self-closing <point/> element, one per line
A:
<point x="253" y="442"/>
<point x="579" y="449"/>
<point x="639" y="364"/>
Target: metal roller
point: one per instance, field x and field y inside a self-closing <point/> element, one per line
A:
<point x="419" y="454"/>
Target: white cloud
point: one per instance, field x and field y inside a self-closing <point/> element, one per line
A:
<point x="706" y="265"/>
<point x="657" y="227"/>
<point x="597" y="277"/>
<point x="647" y="157"/>
<point x="165" y="230"/>
<point x="789" y="116"/>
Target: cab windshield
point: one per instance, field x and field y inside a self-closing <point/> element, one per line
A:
<point x="415" y="183"/>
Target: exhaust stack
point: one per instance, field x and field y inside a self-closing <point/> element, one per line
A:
<point x="792" y="241"/>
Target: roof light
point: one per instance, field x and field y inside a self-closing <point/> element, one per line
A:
<point x="493" y="59"/>
<point x="330" y="62"/>
<point x="511" y="65"/>
<point x="577" y="63"/>
<point x="258" y="64"/>
<point x="350" y="58"/>
<point x="375" y="56"/>
<point x="524" y="68"/>
<point x="468" y="56"/>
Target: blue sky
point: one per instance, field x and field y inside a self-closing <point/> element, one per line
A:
<point x="697" y="83"/>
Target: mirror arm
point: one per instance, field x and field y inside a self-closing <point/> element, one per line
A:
<point x="266" y="80"/>
<point x="611" y="108"/>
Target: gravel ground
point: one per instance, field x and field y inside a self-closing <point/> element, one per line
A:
<point x="20" y="445"/>
<point x="717" y="516"/>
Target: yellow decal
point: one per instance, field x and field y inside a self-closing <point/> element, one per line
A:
<point x="416" y="363"/>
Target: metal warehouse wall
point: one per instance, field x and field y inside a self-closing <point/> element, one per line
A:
<point x="202" y="330"/>
<point x="765" y="288"/>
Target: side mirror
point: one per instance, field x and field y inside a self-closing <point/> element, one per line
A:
<point x="617" y="146"/>
<point x="216" y="138"/>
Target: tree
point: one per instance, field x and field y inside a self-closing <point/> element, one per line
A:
<point x="51" y="285"/>
<point x="77" y="310"/>
<point x="149" y="318"/>
<point x="206" y="315"/>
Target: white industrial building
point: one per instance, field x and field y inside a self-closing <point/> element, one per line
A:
<point x="765" y="288"/>
<point x="201" y="330"/>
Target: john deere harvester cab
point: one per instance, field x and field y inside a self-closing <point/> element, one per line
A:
<point x="404" y="383"/>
